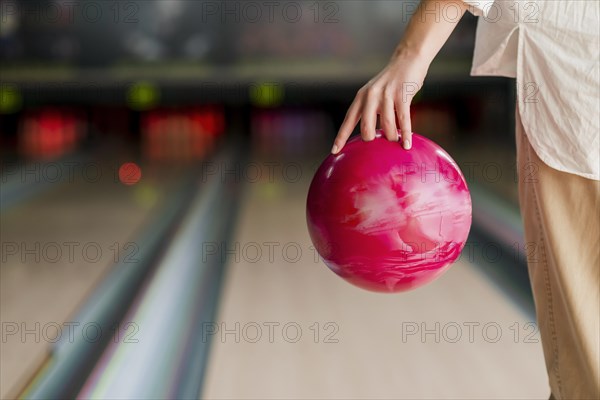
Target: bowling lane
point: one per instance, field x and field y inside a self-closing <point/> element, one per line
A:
<point x="287" y="327"/>
<point x="57" y="246"/>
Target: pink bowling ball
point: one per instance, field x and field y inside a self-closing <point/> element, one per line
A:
<point x="387" y="219"/>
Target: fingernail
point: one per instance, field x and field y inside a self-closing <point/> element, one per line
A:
<point x="334" y="149"/>
<point x="406" y="144"/>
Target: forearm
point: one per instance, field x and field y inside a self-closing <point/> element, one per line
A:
<point x="429" y="28"/>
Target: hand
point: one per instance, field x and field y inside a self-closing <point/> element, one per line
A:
<point x="389" y="95"/>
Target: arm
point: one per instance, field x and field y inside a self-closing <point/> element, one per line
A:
<point x="390" y="93"/>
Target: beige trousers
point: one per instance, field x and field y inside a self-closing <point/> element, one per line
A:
<point x="561" y="218"/>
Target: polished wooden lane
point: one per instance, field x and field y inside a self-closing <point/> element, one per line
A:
<point x="289" y="328"/>
<point x="67" y="239"/>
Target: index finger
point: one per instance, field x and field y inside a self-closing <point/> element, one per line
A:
<point x="350" y="121"/>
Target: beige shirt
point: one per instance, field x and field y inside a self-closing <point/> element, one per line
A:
<point x="552" y="48"/>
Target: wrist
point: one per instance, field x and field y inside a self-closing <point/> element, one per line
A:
<point x="414" y="54"/>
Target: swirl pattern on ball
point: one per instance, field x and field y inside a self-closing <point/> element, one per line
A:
<point x="387" y="219"/>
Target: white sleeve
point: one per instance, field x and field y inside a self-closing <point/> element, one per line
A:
<point x="479" y="8"/>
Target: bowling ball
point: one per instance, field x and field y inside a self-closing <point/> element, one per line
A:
<point x="387" y="219"/>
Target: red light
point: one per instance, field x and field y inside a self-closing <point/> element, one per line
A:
<point x="130" y="173"/>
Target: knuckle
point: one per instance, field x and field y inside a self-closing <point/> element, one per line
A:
<point x="404" y="98"/>
<point x="373" y="91"/>
<point x="389" y="122"/>
<point x="364" y="128"/>
<point x="389" y="92"/>
<point x="404" y="113"/>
